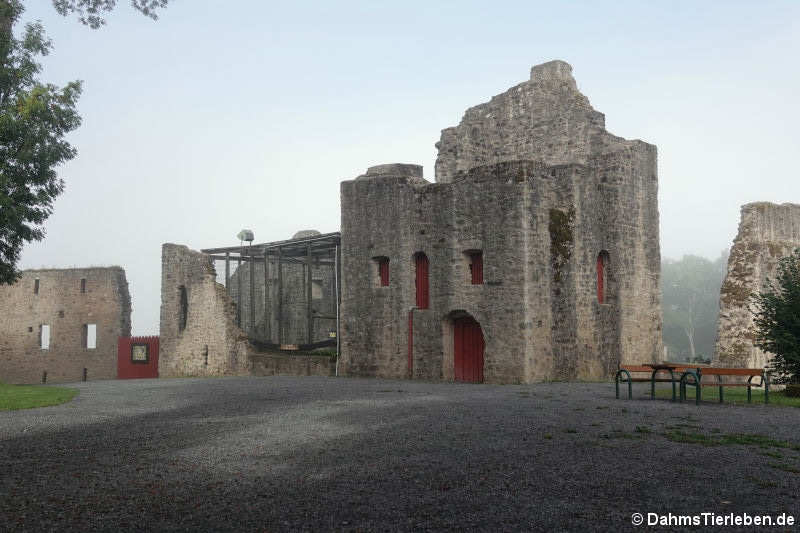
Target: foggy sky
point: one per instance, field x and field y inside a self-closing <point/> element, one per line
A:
<point x="212" y="120"/>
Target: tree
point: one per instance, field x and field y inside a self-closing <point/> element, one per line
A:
<point x="690" y="289"/>
<point x="776" y="313"/>
<point x="90" y="12"/>
<point x="34" y="118"/>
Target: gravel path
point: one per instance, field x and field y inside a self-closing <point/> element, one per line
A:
<point x="318" y="454"/>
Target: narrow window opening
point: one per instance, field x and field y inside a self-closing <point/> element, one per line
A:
<point x="205" y="355"/>
<point x="36" y="286"/>
<point x="91" y="336"/>
<point x="421" y="280"/>
<point x="44" y="336"/>
<point x="83" y="285"/>
<point x="602" y="277"/>
<point x="475" y="263"/>
<point x="316" y="289"/>
<point x="184" y="308"/>
<point x="381" y="277"/>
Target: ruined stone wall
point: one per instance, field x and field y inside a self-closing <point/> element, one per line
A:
<point x="65" y="304"/>
<point x="533" y="180"/>
<point x="210" y="343"/>
<point x="767" y="232"/>
<point x="544" y="119"/>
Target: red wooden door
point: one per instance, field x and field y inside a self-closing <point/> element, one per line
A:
<point x="468" y="350"/>
<point x="421" y="281"/>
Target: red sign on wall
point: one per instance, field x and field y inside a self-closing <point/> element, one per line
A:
<point x="137" y="357"/>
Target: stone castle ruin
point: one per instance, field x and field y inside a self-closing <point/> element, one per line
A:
<point x="767" y="232"/>
<point x="271" y="296"/>
<point x="62" y="321"/>
<point x="534" y="256"/>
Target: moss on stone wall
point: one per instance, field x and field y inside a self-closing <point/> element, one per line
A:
<point x="736" y="355"/>
<point x="734" y="294"/>
<point x="561" y="239"/>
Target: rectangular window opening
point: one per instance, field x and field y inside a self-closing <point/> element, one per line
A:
<point x="476" y="268"/>
<point x="83" y="285"/>
<point x="381" y="278"/>
<point x="90" y="336"/>
<point x="36" y="286"/>
<point x="44" y="336"/>
<point x="316" y="289"/>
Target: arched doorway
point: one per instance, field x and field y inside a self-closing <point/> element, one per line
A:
<point x="467" y="350"/>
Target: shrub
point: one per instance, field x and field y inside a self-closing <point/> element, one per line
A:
<point x="777" y="320"/>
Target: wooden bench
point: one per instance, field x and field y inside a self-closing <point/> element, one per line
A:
<point x="624" y="376"/>
<point x="694" y="378"/>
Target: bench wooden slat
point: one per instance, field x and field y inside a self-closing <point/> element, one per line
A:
<point x="635" y="368"/>
<point x="648" y="380"/>
<point x="731" y="371"/>
<point x="723" y="384"/>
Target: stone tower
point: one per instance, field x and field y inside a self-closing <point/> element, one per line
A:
<point x="558" y="216"/>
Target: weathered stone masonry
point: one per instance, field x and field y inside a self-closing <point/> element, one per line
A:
<point x="199" y="332"/>
<point x="533" y="181"/>
<point x="767" y="232"/>
<point x="68" y="302"/>
<point x="198" y="328"/>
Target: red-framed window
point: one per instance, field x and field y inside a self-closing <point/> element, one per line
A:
<point x="476" y="267"/>
<point x="602" y="265"/>
<point x="383" y="271"/>
<point x="421" y="281"/>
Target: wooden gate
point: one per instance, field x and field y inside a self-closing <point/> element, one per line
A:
<point x="468" y="350"/>
<point x="137" y="357"/>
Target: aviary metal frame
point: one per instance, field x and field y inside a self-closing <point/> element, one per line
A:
<point x="316" y="250"/>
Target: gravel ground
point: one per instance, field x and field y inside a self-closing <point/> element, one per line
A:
<point x="286" y="454"/>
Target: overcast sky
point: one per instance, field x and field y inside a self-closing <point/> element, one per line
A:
<point x="216" y="118"/>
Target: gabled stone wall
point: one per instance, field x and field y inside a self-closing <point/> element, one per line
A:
<point x="767" y="232"/>
<point x="66" y="305"/>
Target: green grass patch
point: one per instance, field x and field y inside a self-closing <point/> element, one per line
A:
<point x="785" y="467"/>
<point x="14" y="397"/>
<point x="619" y="434"/>
<point x="733" y="395"/>
<point x="764" y="442"/>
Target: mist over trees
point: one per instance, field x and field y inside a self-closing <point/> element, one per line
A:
<point x="690" y="304"/>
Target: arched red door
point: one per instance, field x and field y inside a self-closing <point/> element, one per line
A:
<point x="468" y="350"/>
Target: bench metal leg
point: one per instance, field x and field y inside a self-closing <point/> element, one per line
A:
<point x="749" y="395"/>
<point x="616" y="383"/>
